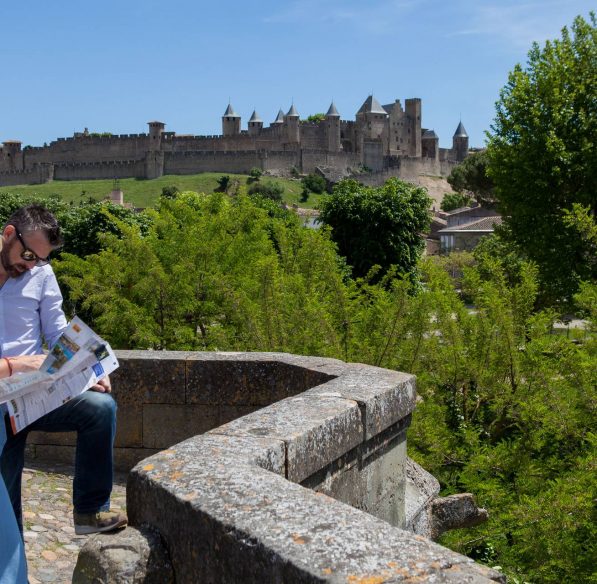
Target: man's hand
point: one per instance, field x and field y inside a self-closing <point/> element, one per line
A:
<point x="103" y="385"/>
<point x="26" y="363"/>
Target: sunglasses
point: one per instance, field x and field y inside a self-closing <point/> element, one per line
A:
<point x="29" y="255"/>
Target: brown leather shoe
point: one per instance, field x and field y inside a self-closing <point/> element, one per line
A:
<point x="101" y="521"/>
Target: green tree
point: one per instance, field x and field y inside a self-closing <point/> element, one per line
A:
<point x="542" y="155"/>
<point x="170" y="191"/>
<point x="453" y="201"/>
<point x="314" y="183"/>
<point x="82" y="223"/>
<point x="254" y="175"/>
<point x="378" y="225"/>
<point x="213" y="272"/>
<point x="223" y="184"/>
<point x="269" y="189"/>
<point x="317" y="118"/>
<point x="471" y="178"/>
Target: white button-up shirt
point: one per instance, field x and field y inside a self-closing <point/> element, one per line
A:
<point x="30" y="312"/>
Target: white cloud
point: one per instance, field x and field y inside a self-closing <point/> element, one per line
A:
<point x="518" y="24"/>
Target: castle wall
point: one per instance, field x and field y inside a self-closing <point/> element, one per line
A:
<point x="376" y="140"/>
<point x="37" y="174"/>
<point x="314" y="158"/>
<point x="232" y="161"/>
<point x="373" y="157"/>
<point x="88" y="149"/>
<point x="313" y="136"/>
<point x="100" y="170"/>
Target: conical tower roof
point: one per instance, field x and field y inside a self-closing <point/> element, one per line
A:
<point x="292" y="113"/>
<point x="279" y="118"/>
<point x="255" y="117"/>
<point x="332" y="112"/>
<point x="372" y="106"/>
<point x="460" y="132"/>
<point x="230" y="113"/>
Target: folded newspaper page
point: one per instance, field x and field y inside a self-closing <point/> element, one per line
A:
<point x="77" y="361"/>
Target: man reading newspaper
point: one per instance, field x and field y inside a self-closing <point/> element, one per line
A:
<point x="30" y="313"/>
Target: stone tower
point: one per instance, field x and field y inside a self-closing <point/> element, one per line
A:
<point x="371" y="133"/>
<point x="430" y="145"/>
<point x="230" y="122"/>
<point x="291" y="121"/>
<point x="155" y="135"/>
<point x="371" y="118"/>
<point x="412" y="108"/>
<point x="279" y="118"/>
<point x="460" y="143"/>
<point x="13" y="154"/>
<point x="255" y="124"/>
<point x="154" y="157"/>
<point x="332" y="129"/>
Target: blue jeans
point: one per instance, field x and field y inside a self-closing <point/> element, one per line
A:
<point x="13" y="567"/>
<point x="93" y="416"/>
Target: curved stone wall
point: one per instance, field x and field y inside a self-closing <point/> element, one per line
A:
<point x="275" y="468"/>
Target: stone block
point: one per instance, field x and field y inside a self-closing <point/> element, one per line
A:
<point x="315" y="431"/>
<point x="150" y="377"/>
<point x="229" y="413"/>
<point x="165" y="425"/>
<point x="250" y="379"/>
<point x="53" y="438"/>
<point x="385" y="396"/>
<point x="52" y="453"/>
<point x="127" y="458"/>
<point x="130" y="556"/>
<point x="129" y="426"/>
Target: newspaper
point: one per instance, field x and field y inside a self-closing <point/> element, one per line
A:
<point x="77" y="361"/>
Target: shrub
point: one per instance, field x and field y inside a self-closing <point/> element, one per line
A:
<point x="270" y="189"/>
<point x="453" y="201"/>
<point x="314" y="183"/>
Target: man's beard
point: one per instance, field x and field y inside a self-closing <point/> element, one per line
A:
<point x="13" y="270"/>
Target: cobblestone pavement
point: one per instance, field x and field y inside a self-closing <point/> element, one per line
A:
<point x="50" y="541"/>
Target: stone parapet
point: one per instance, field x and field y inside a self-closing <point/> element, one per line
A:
<point x="279" y="468"/>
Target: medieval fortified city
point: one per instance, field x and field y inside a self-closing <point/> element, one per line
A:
<point x="311" y="346"/>
<point x="386" y="140"/>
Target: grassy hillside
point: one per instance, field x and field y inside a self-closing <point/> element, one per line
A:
<point x="144" y="193"/>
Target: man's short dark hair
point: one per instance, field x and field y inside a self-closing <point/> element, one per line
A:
<point x="37" y="218"/>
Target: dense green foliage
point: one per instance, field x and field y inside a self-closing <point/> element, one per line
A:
<point x="471" y="178"/>
<point x="314" y="183"/>
<point x="213" y="272"/>
<point x="267" y="188"/>
<point x="317" y="118"/>
<point x="82" y="223"/>
<point x="378" y="225"/>
<point x="543" y="159"/>
<point x="507" y="407"/>
<point x="453" y="201"/>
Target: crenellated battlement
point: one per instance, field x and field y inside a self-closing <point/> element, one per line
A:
<point x="301" y="144"/>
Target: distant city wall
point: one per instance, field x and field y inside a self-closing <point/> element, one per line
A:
<point x="100" y="170"/>
<point x="312" y="159"/>
<point x="376" y="136"/>
<point x="36" y="174"/>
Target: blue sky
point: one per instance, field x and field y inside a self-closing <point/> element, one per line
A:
<point x="112" y="66"/>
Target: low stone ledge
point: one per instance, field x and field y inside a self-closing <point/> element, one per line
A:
<point x="386" y="396"/>
<point x="315" y="432"/>
<point x="226" y="520"/>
